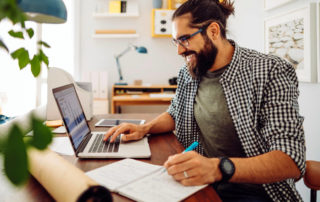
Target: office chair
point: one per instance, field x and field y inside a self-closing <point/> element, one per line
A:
<point x="312" y="178"/>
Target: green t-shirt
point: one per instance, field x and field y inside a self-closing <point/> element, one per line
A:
<point x="218" y="135"/>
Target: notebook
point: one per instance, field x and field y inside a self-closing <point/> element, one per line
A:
<point x="141" y="181"/>
<point x="85" y="143"/>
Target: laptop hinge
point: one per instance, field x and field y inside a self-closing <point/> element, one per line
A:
<point x="83" y="144"/>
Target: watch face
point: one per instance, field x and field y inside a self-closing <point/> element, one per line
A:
<point x="228" y="167"/>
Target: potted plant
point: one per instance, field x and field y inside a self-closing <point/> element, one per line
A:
<point x="14" y="143"/>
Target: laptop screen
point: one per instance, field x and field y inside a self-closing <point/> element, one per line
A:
<point x="72" y="113"/>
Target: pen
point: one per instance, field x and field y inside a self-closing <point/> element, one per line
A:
<point x="190" y="148"/>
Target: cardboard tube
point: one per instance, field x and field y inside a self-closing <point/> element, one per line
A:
<point x="61" y="179"/>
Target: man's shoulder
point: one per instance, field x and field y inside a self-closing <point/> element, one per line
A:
<point x="262" y="60"/>
<point x="184" y="74"/>
<point x="253" y="55"/>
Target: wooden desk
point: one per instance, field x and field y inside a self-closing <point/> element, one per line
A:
<point x="141" y="95"/>
<point x="161" y="147"/>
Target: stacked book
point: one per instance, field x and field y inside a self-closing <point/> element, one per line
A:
<point x="116" y="6"/>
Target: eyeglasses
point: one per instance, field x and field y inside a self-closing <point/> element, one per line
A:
<point x="183" y="41"/>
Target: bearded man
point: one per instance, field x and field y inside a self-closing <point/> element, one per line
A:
<point x="239" y="104"/>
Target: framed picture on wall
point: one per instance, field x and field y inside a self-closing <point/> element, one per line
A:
<point x="292" y="36"/>
<point x="270" y="4"/>
<point x="161" y="23"/>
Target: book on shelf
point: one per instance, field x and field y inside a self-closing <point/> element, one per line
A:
<point x="123" y="6"/>
<point x="141" y="181"/>
<point x="114" y="6"/>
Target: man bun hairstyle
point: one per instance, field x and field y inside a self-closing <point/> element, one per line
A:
<point x="207" y="11"/>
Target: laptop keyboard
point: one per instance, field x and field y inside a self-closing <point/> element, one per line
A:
<point x="100" y="146"/>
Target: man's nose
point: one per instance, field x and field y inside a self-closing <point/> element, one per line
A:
<point x="181" y="49"/>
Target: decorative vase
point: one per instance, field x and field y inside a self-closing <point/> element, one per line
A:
<point x="157" y="3"/>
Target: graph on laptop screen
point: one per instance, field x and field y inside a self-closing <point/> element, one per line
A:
<point x="73" y="115"/>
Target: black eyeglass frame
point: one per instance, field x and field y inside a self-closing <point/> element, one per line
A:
<point x="183" y="40"/>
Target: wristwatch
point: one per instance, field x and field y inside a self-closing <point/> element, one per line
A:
<point x="227" y="168"/>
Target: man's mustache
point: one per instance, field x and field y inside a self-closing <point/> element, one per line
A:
<point x="188" y="53"/>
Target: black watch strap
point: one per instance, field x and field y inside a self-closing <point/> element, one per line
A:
<point x="227" y="169"/>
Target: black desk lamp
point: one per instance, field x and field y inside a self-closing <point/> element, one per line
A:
<point x="140" y="49"/>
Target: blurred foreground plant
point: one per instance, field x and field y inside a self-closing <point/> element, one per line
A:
<point x="14" y="143"/>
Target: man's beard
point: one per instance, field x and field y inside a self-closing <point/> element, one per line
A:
<point x="204" y="59"/>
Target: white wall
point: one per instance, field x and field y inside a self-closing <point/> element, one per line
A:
<point x="156" y="67"/>
<point x="162" y="62"/>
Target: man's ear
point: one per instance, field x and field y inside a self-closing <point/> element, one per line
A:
<point x="213" y="31"/>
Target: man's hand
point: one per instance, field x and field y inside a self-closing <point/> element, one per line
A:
<point x="199" y="170"/>
<point x="131" y="131"/>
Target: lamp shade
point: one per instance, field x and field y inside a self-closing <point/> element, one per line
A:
<point x="141" y="49"/>
<point x="44" y="11"/>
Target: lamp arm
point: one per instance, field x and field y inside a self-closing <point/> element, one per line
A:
<point x="124" y="52"/>
<point x="119" y="69"/>
<point x="118" y="62"/>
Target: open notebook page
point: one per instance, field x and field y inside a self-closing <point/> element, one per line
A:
<point x="121" y="173"/>
<point x="158" y="186"/>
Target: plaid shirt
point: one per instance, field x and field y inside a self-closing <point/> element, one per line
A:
<point x="261" y="92"/>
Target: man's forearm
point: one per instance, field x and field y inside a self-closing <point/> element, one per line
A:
<point x="270" y="167"/>
<point x="163" y="123"/>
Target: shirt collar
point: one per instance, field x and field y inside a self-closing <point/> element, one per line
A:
<point x="231" y="71"/>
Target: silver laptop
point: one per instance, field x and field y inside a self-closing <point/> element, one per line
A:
<point x="85" y="143"/>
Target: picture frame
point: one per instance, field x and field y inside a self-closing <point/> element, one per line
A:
<point x="161" y="23"/>
<point x="270" y="4"/>
<point x="292" y="36"/>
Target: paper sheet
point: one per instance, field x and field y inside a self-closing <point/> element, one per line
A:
<point x="158" y="187"/>
<point x="61" y="145"/>
<point x="120" y="173"/>
<point x="59" y="130"/>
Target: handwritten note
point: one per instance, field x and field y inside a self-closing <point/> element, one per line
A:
<point x="158" y="187"/>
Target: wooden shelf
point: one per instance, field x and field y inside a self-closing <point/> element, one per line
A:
<point x="115" y="15"/>
<point x="112" y="36"/>
<point x="141" y="95"/>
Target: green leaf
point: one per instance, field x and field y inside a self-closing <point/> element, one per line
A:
<point x="23" y="56"/>
<point x="17" y="53"/>
<point x="16" y="34"/>
<point x="42" y="135"/>
<point x="15" y="157"/>
<point x="10" y="9"/>
<point x="35" y="65"/>
<point x="44" y="44"/>
<point x="23" y="59"/>
<point x="3" y="45"/>
<point x="43" y="57"/>
<point x="30" y="32"/>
